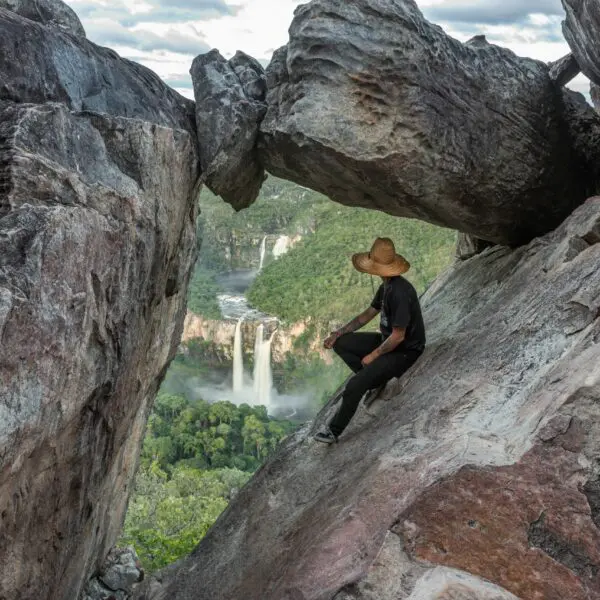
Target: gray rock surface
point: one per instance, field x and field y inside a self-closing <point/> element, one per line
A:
<point x="564" y="70"/>
<point x="117" y="576"/>
<point x="41" y="64"/>
<point x="375" y="107"/>
<point x="580" y="28"/>
<point x="48" y="12"/>
<point x="230" y="104"/>
<point x="582" y="126"/>
<point x="97" y="242"/>
<point x="595" y="95"/>
<point x="477" y="471"/>
<point x="468" y="246"/>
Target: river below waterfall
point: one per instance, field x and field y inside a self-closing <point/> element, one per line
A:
<point x="232" y="300"/>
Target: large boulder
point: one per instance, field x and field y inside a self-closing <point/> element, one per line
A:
<point x="97" y="241"/>
<point x="99" y="176"/>
<point x="580" y="28"/>
<point x="475" y="476"/>
<point x="230" y="105"/>
<point x="375" y="107"/>
<point x="42" y="64"/>
<point x="54" y="13"/>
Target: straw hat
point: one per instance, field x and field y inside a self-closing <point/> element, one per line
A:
<point x="382" y="260"/>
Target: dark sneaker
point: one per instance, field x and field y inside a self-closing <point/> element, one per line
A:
<point x="326" y="436"/>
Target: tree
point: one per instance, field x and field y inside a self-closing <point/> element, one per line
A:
<point x="253" y="434"/>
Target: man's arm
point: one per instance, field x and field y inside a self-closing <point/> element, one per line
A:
<point x="360" y="321"/>
<point x="390" y="344"/>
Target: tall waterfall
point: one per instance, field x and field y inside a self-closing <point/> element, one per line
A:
<point x="263" y="248"/>
<point x="263" y="379"/>
<point x="238" y="360"/>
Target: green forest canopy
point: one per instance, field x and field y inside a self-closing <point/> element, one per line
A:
<point x="195" y="457"/>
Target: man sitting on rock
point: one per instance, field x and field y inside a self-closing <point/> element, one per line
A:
<point x="376" y="358"/>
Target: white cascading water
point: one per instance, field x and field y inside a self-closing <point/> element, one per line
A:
<point x="282" y="245"/>
<point x="238" y="360"/>
<point x="263" y="379"/>
<point x="263" y="248"/>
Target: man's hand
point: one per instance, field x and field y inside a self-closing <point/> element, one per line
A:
<point x="368" y="359"/>
<point x="356" y="323"/>
<point x="332" y="339"/>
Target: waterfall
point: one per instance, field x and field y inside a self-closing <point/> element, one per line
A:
<point x="263" y="380"/>
<point x="238" y="360"/>
<point x="282" y="245"/>
<point x="263" y="247"/>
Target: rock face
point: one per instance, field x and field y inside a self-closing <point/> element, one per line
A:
<point x="580" y="28"/>
<point x="375" y="107"/>
<point x="117" y="577"/>
<point x="477" y="474"/>
<point x="54" y="13"/>
<point x="230" y="104"/>
<point x="41" y="64"/>
<point x="595" y="95"/>
<point x="97" y="240"/>
<point x="564" y="70"/>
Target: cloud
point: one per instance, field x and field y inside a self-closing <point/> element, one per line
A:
<point x="130" y="14"/>
<point x="182" y="40"/>
<point x="492" y="12"/>
<point x="505" y="35"/>
<point x="178" y="80"/>
<point x="528" y="27"/>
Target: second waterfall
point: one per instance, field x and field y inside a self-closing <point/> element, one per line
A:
<point x="259" y="391"/>
<point x="263" y="379"/>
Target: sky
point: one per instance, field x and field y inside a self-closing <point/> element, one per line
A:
<point x="166" y="35"/>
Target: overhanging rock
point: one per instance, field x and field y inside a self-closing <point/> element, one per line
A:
<point x="580" y="29"/>
<point x="373" y="106"/>
<point x="478" y="474"/>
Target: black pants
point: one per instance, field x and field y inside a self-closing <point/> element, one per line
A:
<point x="352" y="348"/>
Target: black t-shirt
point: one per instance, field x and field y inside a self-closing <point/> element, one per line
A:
<point x="399" y="305"/>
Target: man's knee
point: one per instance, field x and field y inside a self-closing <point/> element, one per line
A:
<point x="342" y="344"/>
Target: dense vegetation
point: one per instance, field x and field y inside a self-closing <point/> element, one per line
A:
<point x="317" y="279"/>
<point x="227" y="236"/>
<point x="195" y="457"/>
<point x="203" y="290"/>
<point x="209" y="436"/>
<point x="171" y="512"/>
